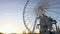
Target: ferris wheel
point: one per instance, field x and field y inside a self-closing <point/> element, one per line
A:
<point x="34" y="9"/>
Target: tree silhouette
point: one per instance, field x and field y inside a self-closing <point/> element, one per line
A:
<point x="1" y="33"/>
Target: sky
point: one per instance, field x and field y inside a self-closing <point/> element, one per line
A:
<point x="11" y="19"/>
<point x="11" y="15"/>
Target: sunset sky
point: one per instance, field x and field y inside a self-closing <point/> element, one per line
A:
<point x="11" y="19"/>
<point x="11" y="15"/>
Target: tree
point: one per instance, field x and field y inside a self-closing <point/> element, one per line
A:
<point x="1" y="33"/>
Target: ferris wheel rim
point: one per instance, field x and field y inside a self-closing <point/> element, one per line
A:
<point x="24" y="16"/>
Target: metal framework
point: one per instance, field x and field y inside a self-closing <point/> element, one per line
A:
<point x="45" y="22"/>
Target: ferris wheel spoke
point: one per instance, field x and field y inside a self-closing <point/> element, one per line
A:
<point x="29" y="11"/>
<point x="30" y="25"/>
<point x="29" y="18"/>
<point x="48" y="13"/>
<point x="30" y="8"/>
<point x="29" y="14"/>
<point x="56" y="3"/>
<point x="30" y="21"/>
<point x="53" y="8"/>
<point x="35" y="1"/>
<point x="51" y="15"/>
<point x="53" y="11"/>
